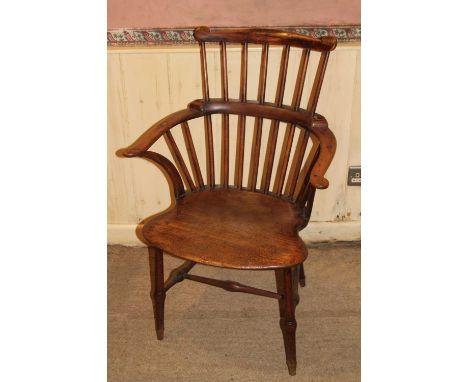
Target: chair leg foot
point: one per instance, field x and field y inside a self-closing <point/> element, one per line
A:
<point x="302" y="278"/>
<point x="160" y="334"/>
<point x="288" y="325"/>
<point x="291" y="367"/>
<point x="289" y="337"/>
<point x="159" y="316"/>
<point x="158" y="294"/>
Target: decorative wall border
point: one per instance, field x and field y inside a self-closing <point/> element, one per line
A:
<point x="184" y="36"/>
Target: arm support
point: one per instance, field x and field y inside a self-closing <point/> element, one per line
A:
<point x="327" y="151"/>
<point x="169" y="169"/>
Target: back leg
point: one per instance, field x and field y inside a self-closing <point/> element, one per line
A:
<point x="295" y="282"/>
<point x="302" y="277"/>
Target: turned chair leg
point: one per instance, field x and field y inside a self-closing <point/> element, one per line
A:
<point x="295" y="271"/>
<point x="287" y="306"/>
<point x="302" y="277"/>
<point x="158" y="294"/>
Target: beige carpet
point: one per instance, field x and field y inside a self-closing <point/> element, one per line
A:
<point x="214" y="335"/>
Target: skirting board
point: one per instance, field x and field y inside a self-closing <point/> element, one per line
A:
<point x="315" y="232"/>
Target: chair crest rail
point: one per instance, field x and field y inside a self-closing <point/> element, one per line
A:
<point x="264" y="36"/>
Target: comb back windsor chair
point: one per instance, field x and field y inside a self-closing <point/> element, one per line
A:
<point x="241" y="226"/>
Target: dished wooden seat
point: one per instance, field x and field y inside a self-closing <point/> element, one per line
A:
<point x="231" y="229"/>
<point x="251" y="221"/>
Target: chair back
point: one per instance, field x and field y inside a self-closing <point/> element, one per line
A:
<point x="286" y="183"/>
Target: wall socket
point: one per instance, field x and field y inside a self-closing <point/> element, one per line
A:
<point x="354" y="176"/>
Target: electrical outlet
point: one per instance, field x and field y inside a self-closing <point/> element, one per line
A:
<point x="354" y="176"/>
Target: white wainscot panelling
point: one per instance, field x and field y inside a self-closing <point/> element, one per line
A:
<point x="144" y="85"/>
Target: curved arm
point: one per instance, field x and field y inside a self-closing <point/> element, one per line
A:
<point x="146" y="140"/>
<point x="317" y="124"/>
<point x="327" y="151"/>
<point x="140" y="147"/>
<point x="169" y="169"/>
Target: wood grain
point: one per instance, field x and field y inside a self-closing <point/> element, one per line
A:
<point x="230" y="228"/>
<point x="261" y="36"/>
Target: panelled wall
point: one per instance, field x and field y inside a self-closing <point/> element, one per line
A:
<point x="146" y="84"/>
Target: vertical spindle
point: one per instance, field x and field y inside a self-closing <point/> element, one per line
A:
<point x="273" y="136"/>
<point x="225" y="119"/>
<point x="210" y="173"/>
<point x="257" y="135"/>
<point x="241" y="119"/>
<point x="192" y="155"/>
<point x="179" y="161"/>
<point x="290" y="128"/>
<point x="297" y="163"/>
<point x="314" y="94"/>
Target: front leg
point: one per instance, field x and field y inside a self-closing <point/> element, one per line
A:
<point x="158" y="293"/>
<point x="287" y="306"/>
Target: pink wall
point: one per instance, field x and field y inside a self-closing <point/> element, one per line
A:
<point x="235" y="13"/>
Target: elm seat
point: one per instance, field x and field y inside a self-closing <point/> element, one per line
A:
<point x="250" y="230"/>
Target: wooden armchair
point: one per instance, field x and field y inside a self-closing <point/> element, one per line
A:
<point x="241" y="225"/>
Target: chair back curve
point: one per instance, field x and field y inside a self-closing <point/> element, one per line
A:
<point x="299" y="168"/>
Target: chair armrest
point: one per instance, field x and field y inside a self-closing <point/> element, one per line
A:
<point x="146" y="140"/>
<point x="327" y="151"/>
<point x="140" y="147"/>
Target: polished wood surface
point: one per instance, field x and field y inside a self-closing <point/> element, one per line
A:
<point x="260" y="36"/>
<point x="287" y="306"/>
<point x="234" y="286"/>
<point x="230" y="228"/>
<point x="158" y="293"/>
<point x="251" y="227"/>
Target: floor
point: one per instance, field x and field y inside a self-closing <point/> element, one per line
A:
<point x="214" y="335"/>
